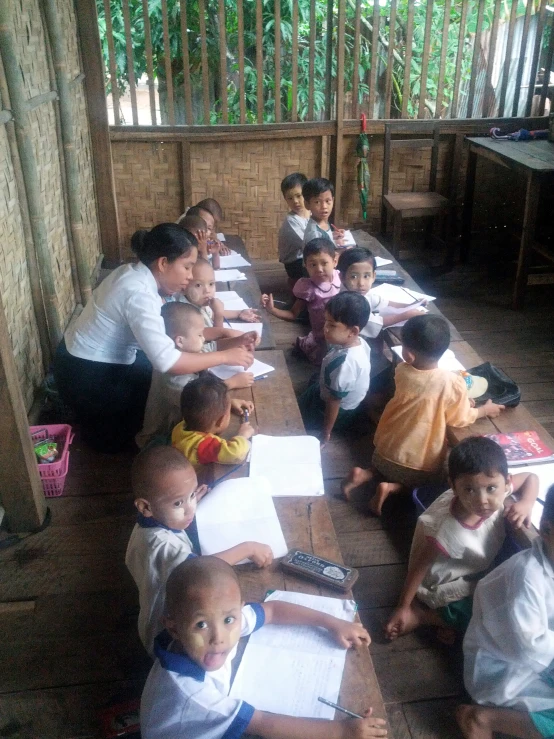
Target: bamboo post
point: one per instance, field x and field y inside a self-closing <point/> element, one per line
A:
<point x="22" y="495"/>
<point x="189" y="118"/>
<point x="30" y="174"/>
<point x="149" y="60"/>
<point x="31" y="255"/>
<point x="311" y="62"/>
<point x="68" y="139"/>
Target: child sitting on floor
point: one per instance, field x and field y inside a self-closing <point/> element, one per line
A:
<point x="201" y="292"/>
<point x="291" y="233"/>
<point x="410" y="440"/>
<point x="509" y="645"/>
<point x="458" y="537"/>
<point x="187" y="691"/>
<point x="357" y="273"/>
<point x="314" y="291"/>
<point x="206" y="411"/>
<point x="319" y="197"/>
<point x="333" y="402"/>
<point x="166" y="493"/>
<point x="184" y="323"/>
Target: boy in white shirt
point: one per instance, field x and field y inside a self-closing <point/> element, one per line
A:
<point x="333" y="402"/>
<point x="185" y="324"/>
<point x="458" y="537"/>
<point x="167" y="491"/>
<point x="187" y="691"/>
<point x="509" y="645"/>
<point x="291" y="233"/>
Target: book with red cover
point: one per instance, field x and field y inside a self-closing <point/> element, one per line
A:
<point x="523" y="446"/>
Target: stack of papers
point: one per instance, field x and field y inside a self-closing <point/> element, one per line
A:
<point x="397" y="294"/>
<point x="231" y="300"/>
<point x="245" y="327"/>
<point x="225" y="371"/>
<point x="236" y="511"/>
<point x="448" y="360"/>
<point x="545" y="473"/>
<point x="233" y="260"/>
<point x="285" y="669"/>
<point x="229" y="275"/>
<point x="291" y="463"/>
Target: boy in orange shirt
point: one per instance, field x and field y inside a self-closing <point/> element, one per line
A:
<point x="410" y="440"/>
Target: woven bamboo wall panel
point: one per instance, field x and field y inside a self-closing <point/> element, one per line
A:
<point x="30" y="42"/>
<point x="89" y="214"/>
<point x="43" y="127"/>
<point x="148" y="185"/>
<point x="66" y="13"/>
<point x="245" y="177"/>
<point x="409" y="172"/>
<point x="14" y="280"/>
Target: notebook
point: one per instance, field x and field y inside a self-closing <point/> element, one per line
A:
<point x="258" y="369"/>
<point x="291" y="463"/>
<point x="233" y="260"/>
<point x="448" y="360"/>
<point x="398" y="294"/>
<point x="229" y="275"/>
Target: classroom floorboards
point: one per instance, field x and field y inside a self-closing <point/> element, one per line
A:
<point x="68" y="606"/>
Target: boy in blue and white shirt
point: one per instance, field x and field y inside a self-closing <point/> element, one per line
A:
<point x="187" y="691"/>
<point x="333" y="402"/>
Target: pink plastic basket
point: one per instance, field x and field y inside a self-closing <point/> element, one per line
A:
<point x="53" y="475"/>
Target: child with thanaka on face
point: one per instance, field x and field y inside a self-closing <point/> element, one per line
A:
<point x="312" y="292"/>
<point x="200" y="292"/>
<point x="410" y="440"/>
<point x="187" y="691"/>
<point x="458" y="537"/>
<point x="333" y="402"/>
<point x="319" y="199"/>
<point x="291" y="233"/>
<point x="206" y="412"/>
<point x="509" y="645"/>
<point x="166" y="493"/>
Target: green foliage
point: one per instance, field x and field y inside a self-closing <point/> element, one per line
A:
<point x="231" y="87"/>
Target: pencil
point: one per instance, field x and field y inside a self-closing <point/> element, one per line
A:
<point x="339" y="708"/>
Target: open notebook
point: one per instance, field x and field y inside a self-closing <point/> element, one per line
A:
<point x="229" y="275"/>
<point x="448" y="360"/>
<point x="291" y="463"/>
<point x="258" y="369"/>
<point x="231" y="300"/>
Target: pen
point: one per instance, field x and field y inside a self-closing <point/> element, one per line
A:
<point x="261" y="377"/>
<point x="280" y="302"/>
<point x="414" y="299"/>
<point x="245" y="415"/>
<point x="339" y="708"/>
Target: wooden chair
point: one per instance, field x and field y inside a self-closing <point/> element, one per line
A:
<point x="410" y="204"/>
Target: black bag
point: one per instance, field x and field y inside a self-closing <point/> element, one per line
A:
<point x="501" y="390"/>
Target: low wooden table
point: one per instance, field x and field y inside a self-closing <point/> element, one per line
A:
<point x="249" y="291"/>
<point x="535" y="161"/>
<point x="306" y="524"/>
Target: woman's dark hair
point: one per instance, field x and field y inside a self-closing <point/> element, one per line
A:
<point x="476" y="455"/>
<point x="316" y="246"/>
<point x="356" y="255"/>
<point x="316" y="186"/>
<point x="349" y="308"/>
<point x="165" y="240"/>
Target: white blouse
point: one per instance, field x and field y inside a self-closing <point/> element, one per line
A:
<point x="123" y="315"/>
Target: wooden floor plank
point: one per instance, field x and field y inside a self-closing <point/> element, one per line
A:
<point x="433" y="719"/>
<point x="371" y="548"/>
<point x="378" y="587"/>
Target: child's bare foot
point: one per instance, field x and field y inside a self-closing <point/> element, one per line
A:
<point x="404" y="620"/>
<point x="472" y="720"/>
<point x="384" y="489"/>
<point x="356" y="477"/>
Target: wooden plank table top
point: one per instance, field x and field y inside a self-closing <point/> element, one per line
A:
<point x="518" y="155"/>
<point x="249" y="291"/>
<point x="306" y="524"/>
<point x="380" y="251"/>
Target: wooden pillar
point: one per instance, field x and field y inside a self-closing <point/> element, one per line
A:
<point x="20" y="486"/>
<point x="91" y="52"/>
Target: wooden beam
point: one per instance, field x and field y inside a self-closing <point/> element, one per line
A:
<point x="489" y="101"/>
<point x="475" y="61"/>
<point x="112" y="62"/>
<point x="259" y="61"/>
<point x="547" y="66"/>
<point x="186" y="174"/>
<point x="536" y="56"/>
<point x="240" y="33"/>
<point x="223" y="63"/>
<point x="339" y="144"/>
<point x="167" y="65"/>
<point x="130" y="60"/>
<point x="95" y="92"/>
<point x="189" y="116"/>
<point x="425" y="59"/>
<point x="311" y="80"/>
<point x="149" y="60"/>
<point x="444" y="48"/>
<point x="390" y="59"/>
<point x="374" y="59"/>
<point x="21" y="489"/>
<point x="294" y="106"/>
<point x="204" y="60"/>
<point x="521" y="62"/>
<point x="408" y="59"/>
<point x="507" y="58"/>
<point x="329" y="60"/>
<point x="277" y="44"/>
<point x="459" y="60"/>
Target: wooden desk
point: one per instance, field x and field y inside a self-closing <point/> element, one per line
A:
<point x="306" y="524"/>
<point x="249" y="291"/>
<point x="535" y="161"/>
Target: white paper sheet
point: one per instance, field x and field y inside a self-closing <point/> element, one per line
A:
<point x="398" y="294"/>
<point x="291" y="463"/>
<point x="233" y="260"/>
<point x="305" y="663"/>
<point x="229" y="275"/>
<point x="390" y="311"/>
<point x="448" y="360"/>
<point x="545" y="473"/>
<point x="258" y="369"/>
<point x="348" y="239"/>
<point x="231" y="300"/>
<point x="245" y="327"/>
<point x="381" y="262"/>
<point x="220" y="237"/>
<point x="236" y="511"/>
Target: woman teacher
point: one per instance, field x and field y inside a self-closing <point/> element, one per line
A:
<point x="103" y="365"/>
